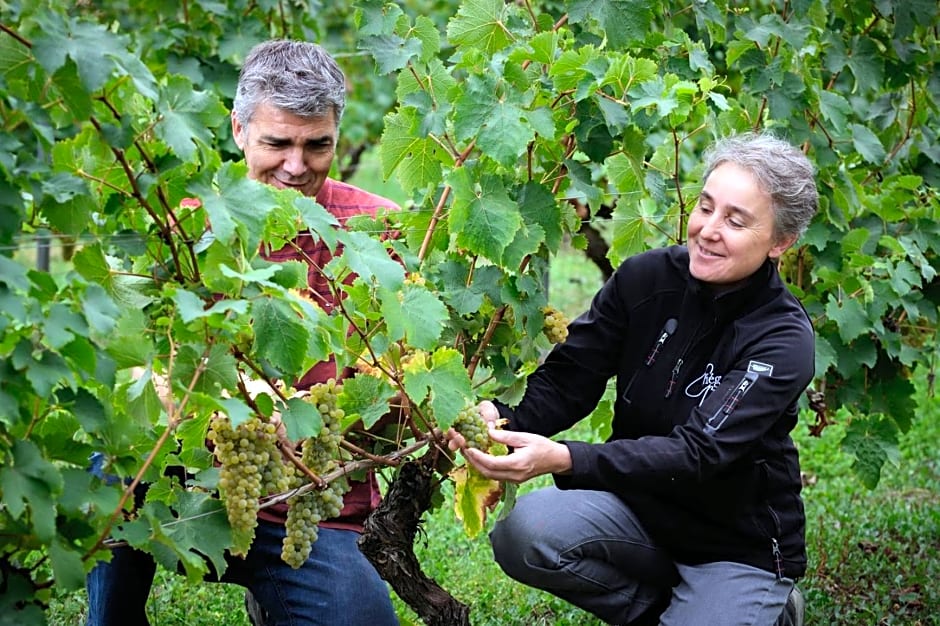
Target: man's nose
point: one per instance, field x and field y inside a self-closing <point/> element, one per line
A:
<point x="294" y="161"/>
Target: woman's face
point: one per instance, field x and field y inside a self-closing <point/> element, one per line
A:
<point x="286" y="150"/>
<point x="731" y="229"/>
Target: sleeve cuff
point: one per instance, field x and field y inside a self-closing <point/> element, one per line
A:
<point x="580" y="476"/>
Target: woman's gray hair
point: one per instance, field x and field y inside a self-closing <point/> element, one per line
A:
<point x="781" y="170"/>
<point x="295" y="76"/>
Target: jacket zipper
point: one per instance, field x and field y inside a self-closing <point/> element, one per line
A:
<point x="778" y="557"/>
<point x="730" y="403"/>
<point x="695" y="338"/>
<point x="774" y="545"/>
<point x="673" y="377"/>
<point x="668" y="331"/>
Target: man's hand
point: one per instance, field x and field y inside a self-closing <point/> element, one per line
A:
<point x="533" y="455"/>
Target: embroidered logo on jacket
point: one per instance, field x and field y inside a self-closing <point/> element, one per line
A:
<point x="764" y="369"/>
<point x="702" y="386"/>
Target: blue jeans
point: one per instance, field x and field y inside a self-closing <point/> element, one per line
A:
<point x="337" y="586"/>
<point x="588" y="548"/>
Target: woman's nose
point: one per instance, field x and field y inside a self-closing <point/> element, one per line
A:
<point x="711" y="227"/>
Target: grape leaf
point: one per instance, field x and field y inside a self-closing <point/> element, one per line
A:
<point x="873" y="441"/>
<point x="867" y="143"/>
<point x="301" y="418"/>
<point x="443" y="381"/>
<point x="31" y="480"/>
<point x="376" y="17"/>
<point x="850" y="316"/>
<point x="499" y="125"/>
<point x="367" y="397"/>
<point x="474" y="495"/>
<point x="867" y="64"/>
<point x="216" y="368"/>
<point x="390" y="51"/>
<point x="418" y="159"/>
<point x="485" y="218"/>
<point x="189" y="305"/>
<point x="280" y="336"/>
<point x="480" y="24"/>
<point x="236" y="410"/>
<point x="505" y="134"/>
<point x="538" y="206"/>
<point x="426" y="31"/>
<point x="625" y="22"/>
<point x="834" y="108"/>
<point x="187" y="116"/>
<point x="74" y="95"/>
<point x="91" y="46"/>
<point x="417" y="316"/>
<point x="632" y="226"/>
<point x="317" y="219"/>
<point x="67" y="567"/>
<point x="237" y="205"/>
<point x="435" y="80"/>
<point x="197" y="529"/>
<point x="87" y="409"/>
<point x="128" y="344"/>
<point x="45" y="370"/>
<point x="369" y="259"/>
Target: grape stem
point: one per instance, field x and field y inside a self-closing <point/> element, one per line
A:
<point x="285" y="446"/>
<point x="379" y="460"/>
<point x="343" y="470"/>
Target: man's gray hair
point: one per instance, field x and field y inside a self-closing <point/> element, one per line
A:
<point x="781" y="170"/>
<point x="298" y="77"/>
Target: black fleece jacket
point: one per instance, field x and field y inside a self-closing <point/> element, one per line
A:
<point x="707" y="391"/>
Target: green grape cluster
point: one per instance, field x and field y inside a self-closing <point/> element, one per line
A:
<point x="555" y="325"/>
<point x="251" y="465"/>
<point x="303" y="515"/>
<point x="471" y="425"/>
<point x="319" y="453"/>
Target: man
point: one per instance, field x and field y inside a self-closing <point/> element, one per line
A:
<point x="288" y="105"/>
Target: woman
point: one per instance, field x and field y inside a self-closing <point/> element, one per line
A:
<point x="691" y="512"/>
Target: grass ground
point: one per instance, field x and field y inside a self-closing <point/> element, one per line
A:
<point x="873" y="553"/>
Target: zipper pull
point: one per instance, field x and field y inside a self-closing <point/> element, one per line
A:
<point x="667" y="332"/>
<point x="673" y="378"/>
<point x="778" y="558"/>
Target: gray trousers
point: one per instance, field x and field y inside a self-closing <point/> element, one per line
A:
<point x="588" y="548"/>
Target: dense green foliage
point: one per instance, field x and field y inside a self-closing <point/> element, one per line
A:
<point x="509" y="126"/>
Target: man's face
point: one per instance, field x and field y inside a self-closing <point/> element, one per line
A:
<point x="286" y="150"/>
<point x="731" y="230"/>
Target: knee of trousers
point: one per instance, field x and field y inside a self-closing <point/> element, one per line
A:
<point x="518" y="555"/>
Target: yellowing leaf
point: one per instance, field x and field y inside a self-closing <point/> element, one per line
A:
<point x="474" y="495"/>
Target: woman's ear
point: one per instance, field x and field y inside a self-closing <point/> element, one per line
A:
<point x="781" y="246"/>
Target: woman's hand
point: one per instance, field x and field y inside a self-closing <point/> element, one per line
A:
<point x="532" y="455"/>
<point x="490" y="415"/>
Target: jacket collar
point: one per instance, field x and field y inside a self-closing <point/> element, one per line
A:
<point x="730" y="302"/>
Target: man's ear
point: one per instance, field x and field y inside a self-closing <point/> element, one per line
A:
<point x="781" y="246"/>
<point x="238" y="132"/>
